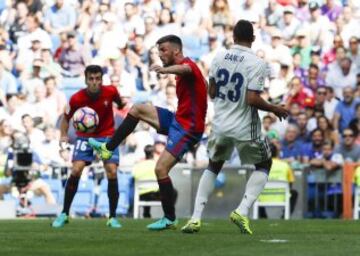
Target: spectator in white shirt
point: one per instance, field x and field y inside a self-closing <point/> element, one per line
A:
<point x="342" y="76"/>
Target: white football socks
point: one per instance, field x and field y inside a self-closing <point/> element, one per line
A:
<point x="206" y="187"/>
<point x="254" y="187"/>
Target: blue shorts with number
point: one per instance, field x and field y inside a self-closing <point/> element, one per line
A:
<point x="84" y="152"/>
<point x="179" y="140"/>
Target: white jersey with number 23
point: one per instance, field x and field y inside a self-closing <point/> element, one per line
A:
<point x="235" y="71"/>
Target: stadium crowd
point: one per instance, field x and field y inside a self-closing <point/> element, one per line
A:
<point x="312" y="50"/>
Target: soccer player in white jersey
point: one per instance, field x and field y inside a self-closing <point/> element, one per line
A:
<point x="236" y="80"/>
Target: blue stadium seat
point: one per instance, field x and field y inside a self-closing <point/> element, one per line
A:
<point x="84" y="200"/>
<point x="124" y="183"/>
<point x="57" y="189"/>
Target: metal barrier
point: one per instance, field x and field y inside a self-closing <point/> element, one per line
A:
<point x="323" y="193"/>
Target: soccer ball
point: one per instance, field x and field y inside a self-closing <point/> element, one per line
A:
<point x="85" y="119"/>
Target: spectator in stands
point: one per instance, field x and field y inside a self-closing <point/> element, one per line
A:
<point x="294" y="111"/>
<point x="298" y="93"/>
<point x="331" y="161"/>
<point x="132" y="23"/>
<point x="302" y="123"/>
<point x="31" y="79"/>
<point x="330" y="55"/>
<point x="312" y="151"/>
<point x="303" y="47"/>
<point x="345" y="110"/>
<point x="273" y="13"/>
<point x="350" y="25"/>
<point x="331" y="10"/>
<point x="49" y="67"/>
<point x="354" y="52"/>
<point x="18" y="27"/>
<point x="74" y="58"/>
<point x="34" y="32"/>
<point x="7" y="81"/>
<point x="330" y="103"/>
<point x="302" y="11"/>
<point x="5" y="136"/>
<point x="313" y="80"/>
<point x="60" y="17"/>
<point x="43" y="108"/>
<point x="341" y="75"/>
<point x="355" y="124"/>
<point x="26" y="57"/>
<point x="290" y="146"/>
<point x="56" y="97"/>
<point x="220" y="15"/>
<point x="48" y="152"/>
<point x="35" y="135"/>
<point x="35" y="7"/>
<point x="325" y="126"/>
<point x="349" y="150"/>
<point x="319" y="26"/>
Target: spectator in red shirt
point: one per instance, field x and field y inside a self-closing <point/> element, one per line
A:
<point x="298" y="93"/>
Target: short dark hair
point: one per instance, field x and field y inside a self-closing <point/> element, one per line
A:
<point x="25" y="116"/>
<point x="243" y="31"/>
<point x="317" y="130"/>
<point x="149" y="151"/>
<point x="46" y="79"/>
<point x="91" y="69"/>
<point x="171" y="39"/>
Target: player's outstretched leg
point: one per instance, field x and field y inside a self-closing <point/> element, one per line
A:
<point x="100" y="148"/>
<point x="206" y="187"/>
<point x="144" y="112"/>
<point x="105" y="150"/>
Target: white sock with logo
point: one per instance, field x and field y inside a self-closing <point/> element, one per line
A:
<point x="254" y="187"/>
<point x="206" y="187"/>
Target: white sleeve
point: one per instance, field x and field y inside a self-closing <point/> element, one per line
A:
<point x="257" y="77"/>
<point x="213" y="67"/>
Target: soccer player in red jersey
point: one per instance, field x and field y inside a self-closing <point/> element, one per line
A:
<point x="184" y="128"/>
<point x="100" y="98"/>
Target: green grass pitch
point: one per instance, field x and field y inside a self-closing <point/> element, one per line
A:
<point x="217" y="237"/>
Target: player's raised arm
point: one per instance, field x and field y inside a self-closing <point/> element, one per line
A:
<point x="118" y="101"/>
<point x="179" y="70"/>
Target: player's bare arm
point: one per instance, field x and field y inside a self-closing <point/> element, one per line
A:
<point x="212" y="88"/>
<point x="254" y="99"/>
<point x="178" y="70"/>
<point x="119" y="102"/>
<point x="64" y="127"/>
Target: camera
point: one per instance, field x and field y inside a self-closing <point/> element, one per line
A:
<point x="22" y="162"/>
